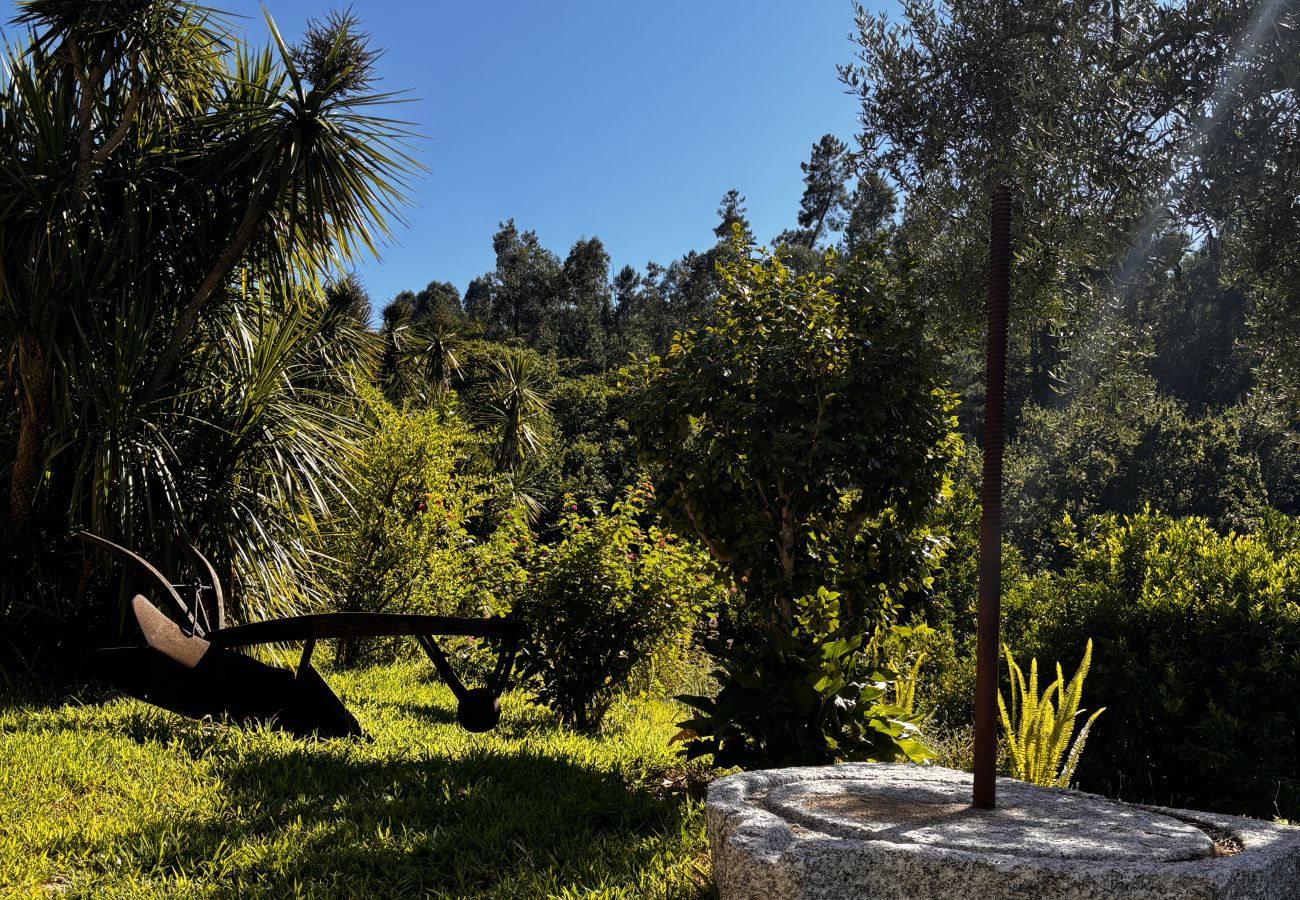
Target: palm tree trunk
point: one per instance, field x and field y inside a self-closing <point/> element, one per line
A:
<point x="34" y="385"/>
<point x="257" y="214"/>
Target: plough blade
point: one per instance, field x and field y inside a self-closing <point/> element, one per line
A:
<point x="188" y="675"/>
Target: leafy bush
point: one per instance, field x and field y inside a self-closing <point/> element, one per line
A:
<point x="609" y="597"/>
<point x="805" y="698"/>
<point x="403" y="545"/>
<point x="1197" y="658"/>
<point x="1121" y="445"/>
<point x="905" y="651"/>
<point x="596" y="454"/>
<point x="804" y="438"/>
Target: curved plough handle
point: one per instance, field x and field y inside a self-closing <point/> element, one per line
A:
<point x="214" y="615"/>
<point x="152" y="575"/>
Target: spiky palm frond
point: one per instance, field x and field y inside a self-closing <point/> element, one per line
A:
<point x="517" y="410"/>
<point x="437" y="343"/>
<point x="285" y="456"/>
<point x="172" y="204"/>
<point x="418" y="357"/>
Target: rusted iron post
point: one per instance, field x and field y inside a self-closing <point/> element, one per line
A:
<point x="990" y="562"/>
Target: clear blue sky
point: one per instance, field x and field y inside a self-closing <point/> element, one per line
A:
<point x="620" y="120"/>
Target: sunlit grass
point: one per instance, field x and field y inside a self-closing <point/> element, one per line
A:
<point x="123" y="800"/>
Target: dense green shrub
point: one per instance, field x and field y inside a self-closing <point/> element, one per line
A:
<point x="809" y="697"/>
<point x="595" y="442"/>
<point x="1197" y="658"/>
<point x="610" y="596"/>
<point x="1119" y="446"/>
<point x="402" y="545"/>
<point x="804" y="438"/>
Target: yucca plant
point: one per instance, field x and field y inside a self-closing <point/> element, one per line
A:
<point x="1038" y="731"/>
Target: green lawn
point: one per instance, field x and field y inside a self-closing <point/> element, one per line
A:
<point x="123" y="800"/>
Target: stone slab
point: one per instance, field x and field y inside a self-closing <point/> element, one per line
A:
<point x="882" y="831"/>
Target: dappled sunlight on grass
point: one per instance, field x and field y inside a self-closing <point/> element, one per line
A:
<point x="122" y="800"/>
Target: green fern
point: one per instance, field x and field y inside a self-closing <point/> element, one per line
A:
<point x="1037" y="731"/>
<point x="905" y="687"/>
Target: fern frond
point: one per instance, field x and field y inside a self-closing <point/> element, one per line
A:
<point x="1039" y="727"/>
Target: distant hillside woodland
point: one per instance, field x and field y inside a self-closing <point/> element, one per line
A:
<point x="764" y="453"/>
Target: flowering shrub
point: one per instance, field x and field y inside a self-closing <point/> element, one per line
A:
<point x="611" y="596"/>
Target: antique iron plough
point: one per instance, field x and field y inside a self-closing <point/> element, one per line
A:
<point x="190" y="666"/>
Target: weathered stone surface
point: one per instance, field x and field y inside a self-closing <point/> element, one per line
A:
<point x="880" y="831"/>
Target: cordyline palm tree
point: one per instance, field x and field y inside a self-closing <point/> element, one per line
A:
<point x="172" y="202"/>
<point x="518" y="413"/>
<point x="439" y="341"/>
<point x="417" y="355"/>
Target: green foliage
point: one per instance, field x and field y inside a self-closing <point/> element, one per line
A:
<point x="904" y="651"/>
<point x="1121" y="446"/>
<point x="1150" y="150"/>
<point x="610" y="596"/>
<point x="1038" y="732"/>
<point x="1197" y="657"/>
<point x="732" y="212"/>
<point x="517" y="411"/>
<point x="825" y="197"/>
<point x="949" y="603"/>
<point x="402" y="544"/>
<point x="520" y="295"/>
<point x="419" y="345"/>
<point x="803" y="437"/>
<point x="586" y="305"/>
<point x="813" y="697"/>
<point x="184" y="197"/>
<point x="593" y="437"/>
<point x="1095" y="116"/>
<point x="127" y="802"/>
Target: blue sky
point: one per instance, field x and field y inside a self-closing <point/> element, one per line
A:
<point x="620" y="120"/>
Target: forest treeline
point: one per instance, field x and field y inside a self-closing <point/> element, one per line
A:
<point x="1170" y="388"/>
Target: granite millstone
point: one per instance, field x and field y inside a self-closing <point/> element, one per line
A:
<point x="882" y="831"/>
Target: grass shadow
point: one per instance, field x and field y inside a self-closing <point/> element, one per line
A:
<point x="421" y="813"/>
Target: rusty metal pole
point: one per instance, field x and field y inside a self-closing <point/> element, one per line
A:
<point x="990" y="562"/>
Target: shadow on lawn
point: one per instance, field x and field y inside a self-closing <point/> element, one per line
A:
<point x="347" y="819"/>
<point x="485" y="823"/>
<point x="429" y="714"/>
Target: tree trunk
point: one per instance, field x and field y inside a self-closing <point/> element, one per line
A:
<point x="212" y="282"/>
<point x="34" y="385"/>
